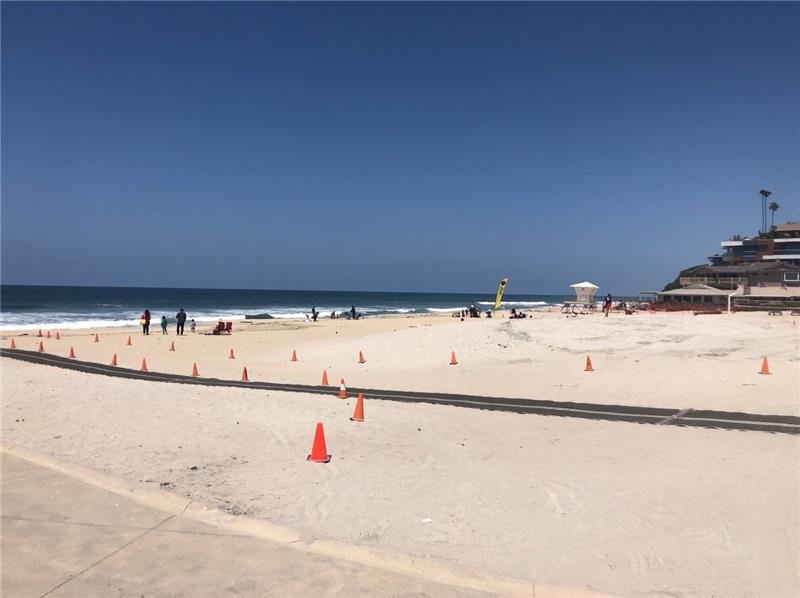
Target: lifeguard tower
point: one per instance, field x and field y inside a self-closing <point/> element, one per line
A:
<point x="584" y="299"/>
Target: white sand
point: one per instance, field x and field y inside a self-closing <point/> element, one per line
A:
<point x="618" y="507"/>
<point x="667" y="360"/>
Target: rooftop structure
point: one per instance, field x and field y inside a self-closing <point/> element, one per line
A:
<point x="789" y="227"/>
<point x="782" y="243"/>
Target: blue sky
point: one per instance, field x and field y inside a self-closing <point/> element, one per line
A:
<point x="391" y="146"/>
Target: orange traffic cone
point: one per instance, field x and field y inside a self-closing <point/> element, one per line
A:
<point x="114" y="359"/>
<point x="40" y="333"/>
<point x="765" y="367"/>
<point x="194" y="370"/>
<point x="358" y="414"/>
<point x="244" y="375"/>
<point x="361" y="358"/>
<point x="453" y="360"/>
<point x="294" y="355"/>
<point x="13" y="345"/>
<point x="319" y="452"/>
<point x="172" y="346"/>
<point x="129" y="341"/>
<point x="96" y="338"/>
<point x="588" y="365"/>
<point x="58" y="335"/>
<point x="71" y="353"/>
<point x="324" y="378"/>
<point x="143" y="368"/>
<point x="48" y="334"/>
<point x="231" y="356"/>
<point x="41" y="347"/>
<point x="342" y="389"/>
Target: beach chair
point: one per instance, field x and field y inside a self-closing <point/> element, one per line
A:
<point x="228" y="327"/>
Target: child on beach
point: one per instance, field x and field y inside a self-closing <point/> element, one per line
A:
<point x="163" y="324"/>
<point x="192" y="326"/>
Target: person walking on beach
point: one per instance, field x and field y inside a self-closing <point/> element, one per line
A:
<point x="607" y="304"/>
<point x="181" y="318"/>
<point x="353" y="312"/>
<point x="314" y="313"/>
<point x="145" y="322"/>
<point x="163" y="324"/>
<point x="192" y="325"/>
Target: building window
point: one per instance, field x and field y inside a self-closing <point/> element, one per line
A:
<point x="791" y="276"/>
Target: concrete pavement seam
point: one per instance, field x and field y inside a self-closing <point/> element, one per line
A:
<point x="411" y="566"/>
<point x="108" y="556"/>
<point x="120" y="527"/>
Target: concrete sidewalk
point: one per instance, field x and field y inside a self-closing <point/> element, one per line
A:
<point x="62" y="537"/>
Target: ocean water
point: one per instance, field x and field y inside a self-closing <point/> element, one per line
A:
<point x="33" y="307"/>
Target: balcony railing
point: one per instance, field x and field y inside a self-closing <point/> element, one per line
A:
<point x="712" y="281"/>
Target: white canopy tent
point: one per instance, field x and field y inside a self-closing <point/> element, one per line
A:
<point x="584" y="292"/>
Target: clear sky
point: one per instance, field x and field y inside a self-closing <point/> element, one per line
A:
<point x="391" y="146"/>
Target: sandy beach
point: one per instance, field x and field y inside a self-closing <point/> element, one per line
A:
<point x="614" y="507"/>
<point x="662" y="360"/>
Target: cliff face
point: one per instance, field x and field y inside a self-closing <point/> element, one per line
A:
<point x="675" y="284"/>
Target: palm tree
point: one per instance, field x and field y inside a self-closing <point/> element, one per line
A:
<point x="764" y="195"/>
<point x="772" y="208"/>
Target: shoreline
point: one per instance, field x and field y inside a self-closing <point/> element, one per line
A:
<point x="206" y="322"/>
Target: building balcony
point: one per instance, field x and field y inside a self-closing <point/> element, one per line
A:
<point x="712" y="281"/>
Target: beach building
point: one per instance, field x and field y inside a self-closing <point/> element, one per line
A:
<point x="780" y="244"/>
<point x="730" y="276"/>
<point x="765" y="297"/>
<point x="694" y="296"/>
<point x="751" y="274"/>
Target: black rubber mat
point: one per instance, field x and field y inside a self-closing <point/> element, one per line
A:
<point x="782" y="424"/>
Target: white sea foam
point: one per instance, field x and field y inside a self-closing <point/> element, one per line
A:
<point x="444" y="310"/>
<point x="517" y="303"/>
<point x="291" y="315"/>
<point x="325" y="312"/>
<point x="67" y="321"/>
<point x="69" y="325"/>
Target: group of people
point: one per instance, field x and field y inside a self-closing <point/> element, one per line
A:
<point x="180" y="318"/>
<point x="354" y="315"/>
<point x="608" y="305"/>
<point x="472" y="312"/>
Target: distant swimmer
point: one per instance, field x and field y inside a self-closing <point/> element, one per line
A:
<point x="163" y="324"/>
<point x="181" y="318"/>
<point x="145" y="322"/>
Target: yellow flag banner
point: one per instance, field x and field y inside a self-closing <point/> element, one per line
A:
<point x="500" y="289"/>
